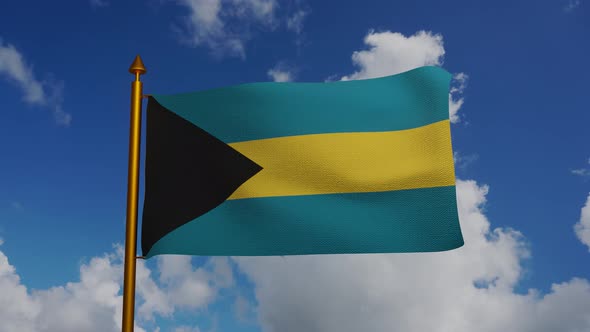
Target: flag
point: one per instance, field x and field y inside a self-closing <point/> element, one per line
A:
<point x="302" y="168"/>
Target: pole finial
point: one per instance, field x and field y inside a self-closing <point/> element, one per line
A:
<point x="137" y="66"/>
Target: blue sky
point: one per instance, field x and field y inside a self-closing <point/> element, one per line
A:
<point x="520" y="134"/>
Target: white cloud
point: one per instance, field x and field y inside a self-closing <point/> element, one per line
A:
<point x="295" y="21"/>
<point x="282" y="72"/>
<point x="207" y="23"/>
<point x="189" y="287"/>
<point x="278" y="75"/>
<point x="571" y="6"/>
<point x="13" y="66"/>
<point x="392" y="53"/>
<point x="582" y="228"/>
<point x="225" y="26"/>
<point x="155" y="299"/>
<point x="94" y="302"/>
<point x="262" y="10"/>
<point x="46" y="94"/>
<point x="17" y="309"/>
<point x="206" y="27"/>
<point x="456" y="99"/>
<point x="468" y="289"/>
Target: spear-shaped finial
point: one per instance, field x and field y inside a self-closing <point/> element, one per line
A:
<point x="137" y="66"/>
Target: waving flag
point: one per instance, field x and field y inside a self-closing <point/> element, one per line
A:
<point x="302" y="168"/>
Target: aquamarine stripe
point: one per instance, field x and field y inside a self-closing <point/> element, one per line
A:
<point x="417" y="220"/>
<point x="263" y="110"/>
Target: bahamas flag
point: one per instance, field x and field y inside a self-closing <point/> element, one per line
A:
<point x="302" y="168"/>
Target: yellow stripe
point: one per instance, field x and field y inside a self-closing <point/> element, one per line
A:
<point x="349" y="162"/>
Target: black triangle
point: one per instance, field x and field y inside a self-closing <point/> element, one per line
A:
<point x="188" y="172"/>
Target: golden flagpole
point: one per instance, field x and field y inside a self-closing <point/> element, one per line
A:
<point x="137" y="68"/>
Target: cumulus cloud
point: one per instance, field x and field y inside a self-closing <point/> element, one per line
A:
<point x="282" y="72"/>
<point x="279" y="75"/>
<point x="46" y="94"/>
<point x="392" y="53"/>
<point x="94" y="302"/>
<point x="582" y="228"/>
<point x="189" y="287"/>
<point x="208" y="23"/>
<point x="468" y="289"/>
<point x="91" y="304"/>
<point x="17" y="308"/>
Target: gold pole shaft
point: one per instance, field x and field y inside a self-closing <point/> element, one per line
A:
<point x="137" y="69"/>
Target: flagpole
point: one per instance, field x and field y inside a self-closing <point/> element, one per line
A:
<point x="137" y="68"/>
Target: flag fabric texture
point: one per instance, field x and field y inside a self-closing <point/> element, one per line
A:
<point x="302" y="168"/>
